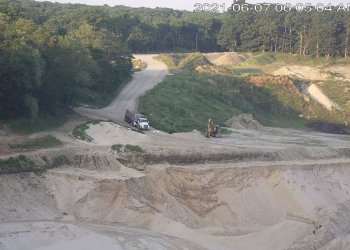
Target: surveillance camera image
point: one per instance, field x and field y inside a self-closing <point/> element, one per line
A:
<point x="166" y="125"/>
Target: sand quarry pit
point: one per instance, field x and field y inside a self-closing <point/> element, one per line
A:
<point x="265" y="189"/>
<point x="277" y="189"/>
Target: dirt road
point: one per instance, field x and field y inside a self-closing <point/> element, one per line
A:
<point x="56" y="235"/>
<point x="129" y="96"/>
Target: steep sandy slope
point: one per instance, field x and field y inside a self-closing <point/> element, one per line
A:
<point x="257" y="205"/>
<point x="316" y="93"/>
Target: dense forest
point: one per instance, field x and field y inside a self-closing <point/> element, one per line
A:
<point x="44" y="71"/>
<point x="55" y="56"/>
<point x="312" y="30"/>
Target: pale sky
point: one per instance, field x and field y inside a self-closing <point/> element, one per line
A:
<point x="190" y="4"/>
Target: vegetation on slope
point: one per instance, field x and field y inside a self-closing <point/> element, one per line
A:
<point x="186" y="100"/>
<point x="20" y="164"/>
<point x="339" y="91"/>
<point x="36" y="143"/>
<point x="192" y="61"/>
<point x="287" y="59"/>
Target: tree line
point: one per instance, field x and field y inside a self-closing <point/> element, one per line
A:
<point x="316" y="32"/>
<point x="55" y="56"/>
<point x="44" y="72"/>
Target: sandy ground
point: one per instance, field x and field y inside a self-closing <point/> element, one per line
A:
<point x="341" y="71"/>
<point x="255" y="205"/>
<point x="316" y="93"/>
<point x="302" y="72"/>
<point x="108" y="134"/>
<point x="72" y="236"/>
<point x="286" y="189"/>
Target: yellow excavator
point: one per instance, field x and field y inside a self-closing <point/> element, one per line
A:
<point x="213" y="130"/>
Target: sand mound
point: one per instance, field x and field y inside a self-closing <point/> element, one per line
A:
<point x="213" y="56"/>
<point x="243" y="121"/>
<point x="301" y="72"/>
<point x="108" y="133"/>
<point x="227" y="58"/>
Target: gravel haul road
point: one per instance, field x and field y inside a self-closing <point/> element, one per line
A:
<point x="128" y="98"/>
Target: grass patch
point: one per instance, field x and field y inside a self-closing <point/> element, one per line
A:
<point x="185" y="61"/>
<point x="138" y="64"/>
<point x="307" y="143"/>
<point x="118" y="148"/>
<point x="239" y="71"/>
<point x="47" y="141"/>
<point x="193" y="60"/>
<point x="167" y="59"/>
<point x="59" y="161"/>
<point x="225" y="131"/>
<point x="79" y="132"/>
<point x="20" y="164"/>
<point x="133" y="148"/>
<point x="171" y="60"/>
<point x="284" y="59"/>
<point x="339" y="91"/>
<point x="16" y="165"/>
<point x="261" y="59"/>
<point x="127" y="148"/>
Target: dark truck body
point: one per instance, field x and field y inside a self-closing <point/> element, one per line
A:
<point x="136" y="119"/>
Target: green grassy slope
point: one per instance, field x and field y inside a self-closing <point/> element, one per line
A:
<point x="185" y="100"/>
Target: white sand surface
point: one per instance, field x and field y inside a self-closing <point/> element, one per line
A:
<point x="302" y="72"/>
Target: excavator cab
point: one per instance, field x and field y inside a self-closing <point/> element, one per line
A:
<point x="213" y="130"/>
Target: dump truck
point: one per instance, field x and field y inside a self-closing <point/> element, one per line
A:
<point x="136" y="119"/>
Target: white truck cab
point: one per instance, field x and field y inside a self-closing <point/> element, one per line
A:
<point x="143" y="123"/>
